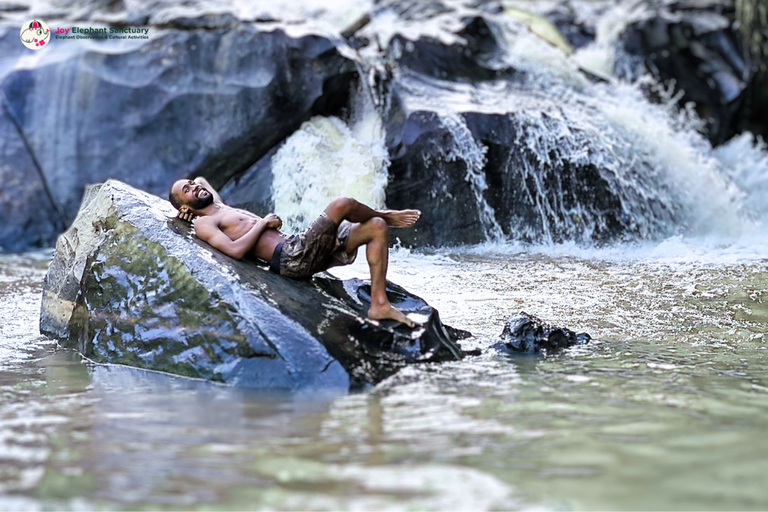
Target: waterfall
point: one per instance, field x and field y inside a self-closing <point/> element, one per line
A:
<point x="327" y="158"/>
<point x="588" y="158"/>
<point x="466" y="148"/>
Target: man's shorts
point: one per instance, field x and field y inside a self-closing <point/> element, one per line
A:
<point x="321" y="246"/>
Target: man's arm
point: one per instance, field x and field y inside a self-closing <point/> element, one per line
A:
<point x="202" y="181"/>
<point x="208" y="231"/>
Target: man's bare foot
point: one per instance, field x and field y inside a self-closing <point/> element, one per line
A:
<point x="387" y="312"/>
<point x="400" y="218"/>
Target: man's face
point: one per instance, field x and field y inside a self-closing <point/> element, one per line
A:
<point x="192" y="194"/>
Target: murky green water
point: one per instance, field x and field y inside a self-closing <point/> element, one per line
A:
<point x="667" y="409"/>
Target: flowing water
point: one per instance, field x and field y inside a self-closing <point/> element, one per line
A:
<point x="666" y="408"/>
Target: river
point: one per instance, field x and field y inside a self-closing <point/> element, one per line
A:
<point x="666" y="408"/>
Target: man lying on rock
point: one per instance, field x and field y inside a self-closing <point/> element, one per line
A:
<point x="331" y="240"/>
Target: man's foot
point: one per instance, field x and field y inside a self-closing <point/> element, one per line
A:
<point x="401" y="218"/>
<point x="387" y="312"/>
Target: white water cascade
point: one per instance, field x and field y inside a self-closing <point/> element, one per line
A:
<point x="573" y="138"/>
<point x="466" y="148"/>
<point x="327" y="158"/>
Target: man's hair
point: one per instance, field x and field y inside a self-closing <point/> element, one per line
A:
<point x="174" y="200"/>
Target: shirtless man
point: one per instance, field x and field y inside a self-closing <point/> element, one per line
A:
<point x="332" y="239"/>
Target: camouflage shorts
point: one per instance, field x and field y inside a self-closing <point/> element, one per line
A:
<point x="321" y="246"/>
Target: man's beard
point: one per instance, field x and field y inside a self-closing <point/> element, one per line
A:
<point x="198" y="203"/>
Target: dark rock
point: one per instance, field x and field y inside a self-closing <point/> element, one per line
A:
<point x="209" y="96"/>
<point x="478" y="58"/>
<point x="526" y="333"/>
<point x="497" y="169"/>
<point x="252" y="190"/>
<point x="428" y="172"/>
<point x="700" y="49"/>
<point x="753" y="24"/>
<point x="30" y="219"/>
<point x="129" y="285"/>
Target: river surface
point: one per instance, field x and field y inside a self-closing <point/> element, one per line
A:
<point x="667" y="407"/>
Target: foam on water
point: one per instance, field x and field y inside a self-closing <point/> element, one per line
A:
<point x="750" y="246"/>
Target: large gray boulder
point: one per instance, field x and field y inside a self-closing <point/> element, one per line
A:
<point x="29" y="216"/>
<point x="130" y="285"/>
<point x="207" y="94"/>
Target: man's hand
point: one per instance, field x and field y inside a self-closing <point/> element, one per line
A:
<point x="273" y="221"/>
<point x="186" y="215"/>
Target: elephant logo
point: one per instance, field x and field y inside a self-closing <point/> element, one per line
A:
<point x="35" y="34"/>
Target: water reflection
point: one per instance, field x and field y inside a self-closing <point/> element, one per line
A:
<point x="113" y="434"/>
<point x="667" y="408"/>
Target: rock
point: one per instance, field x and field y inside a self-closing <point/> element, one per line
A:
<point x="476" y="55"/>
<point x="129" y="285"/>
<point x="507" y="164"/>
<point x="695" y="45"/>
<point x="207" y="94"/>
<point x="573" y="23"/>
<point x="432" y="165"/>
<point x="487" y="151"/>
<point x="753" y="24"/>
<point x="526" y="333"/>
<point x="252" y="190"/>
<point x="29" y="217"/>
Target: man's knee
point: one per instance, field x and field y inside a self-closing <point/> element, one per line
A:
<point x="377" y="227"/>
<point x="339" y="208"/>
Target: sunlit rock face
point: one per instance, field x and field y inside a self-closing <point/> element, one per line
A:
<point x="205" y="95"/>
<point x="130" y="285"/>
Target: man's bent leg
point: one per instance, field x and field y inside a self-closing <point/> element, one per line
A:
<point x="346" y="208"/>
<point x="373" y="233"/>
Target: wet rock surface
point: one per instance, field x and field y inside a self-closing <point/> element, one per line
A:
<point x="514" y="170"/>
<point x="130" y="285"/>
<point x="527" y="333"/>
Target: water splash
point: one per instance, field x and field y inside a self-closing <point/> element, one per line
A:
<point x="328" y="158"/>
<point x="466" y="148"/>
<point x="589" y="159"/>
<point x="745" y="158"/>
<point x="605" y="55"/>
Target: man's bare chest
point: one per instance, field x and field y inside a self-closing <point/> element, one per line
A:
<point x="235" y="223"/>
